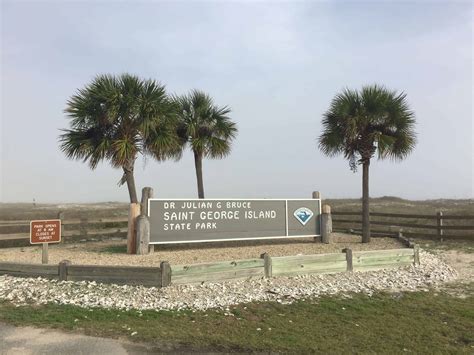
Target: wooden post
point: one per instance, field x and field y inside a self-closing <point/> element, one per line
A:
<point x="416" y="250"/>
<point x="403" y="239"/>
<point x="63" y="265"/>
<point x="61" y="217"/>
<point x="350" y="265"/>
<point x="165" y="269"/>
<point x="133" y="213"/>
<point x="440" y="225"/>
<point x="147" y="193"/>
<point x="44" y="253"/>
<point x="393" y="231"/>
<point x="316" y="195"/>
<point x="326" y="224"/>
<point x="83" y="226"/>
<point x="143" y="235"/>
<point x="267" y="265"/>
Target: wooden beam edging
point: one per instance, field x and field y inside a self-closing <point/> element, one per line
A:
<point x="165" y="270"/>
<point x="416" y="256"/>
<point x="62" y="269"/>
<point x="350" y="266"/>
<point x="218" y="271"/>
<point x="348" y="261"/>
<point x="267" y="265"/>
<point x="29" y="270"/>
<point x="380" y="259"/>
<point x="308" y="264"/>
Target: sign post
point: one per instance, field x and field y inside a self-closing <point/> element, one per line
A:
<point x="44" y="253"/>
<point x="210" y="220"/>
<point x="44" y="232"/>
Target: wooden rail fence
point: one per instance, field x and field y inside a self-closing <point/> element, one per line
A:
<point x="71" y="229"/>
<point x="394" y="221"/>
<point x="266" y="266"/>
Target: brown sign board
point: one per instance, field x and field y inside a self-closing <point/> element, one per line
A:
<point x="212" y="220"/>
<point x="45" y="231"/>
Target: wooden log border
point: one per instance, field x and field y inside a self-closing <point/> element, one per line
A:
<point x="121" y="275"/>
<point x="29" y="270"/>
<point x="309" y="264"/>
<point x="263" y="267"/>
<point x="218" y="271"/>
<point x="374" y="260"/>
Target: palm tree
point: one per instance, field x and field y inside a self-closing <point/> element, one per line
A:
<point x="206" y="128"/>
<point x="116" y="118"/>
<point x="360" y="124"/>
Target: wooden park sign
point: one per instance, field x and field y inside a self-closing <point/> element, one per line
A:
<point x="44" y="232"/>
<point x="210" y="220"/>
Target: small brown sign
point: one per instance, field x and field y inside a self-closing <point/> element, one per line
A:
<point x="46" y="231"/>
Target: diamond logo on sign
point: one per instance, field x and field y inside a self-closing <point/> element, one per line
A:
<point x="303" y="215"/>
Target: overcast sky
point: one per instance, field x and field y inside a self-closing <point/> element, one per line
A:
<point x="277" y="65"/>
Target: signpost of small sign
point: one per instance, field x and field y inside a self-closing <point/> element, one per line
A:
<point x="44" y="232"/>
<point x="211" y="220"/>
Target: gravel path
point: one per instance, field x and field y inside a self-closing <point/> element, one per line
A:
<point x="432" y="271"/>
<point x="112" y="252"/>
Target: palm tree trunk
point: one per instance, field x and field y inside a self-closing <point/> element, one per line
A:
<point x="365" y="202"/>
<point x="198" y="165"/>
<point x="130" y="179"/>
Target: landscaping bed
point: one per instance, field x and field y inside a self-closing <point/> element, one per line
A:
<point x="113" y="252"/>
<point x="431" y="272"/>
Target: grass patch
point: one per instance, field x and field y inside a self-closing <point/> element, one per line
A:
<point x="419" y="322"/>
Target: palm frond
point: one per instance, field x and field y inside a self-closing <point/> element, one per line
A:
<point x="361" y="124"/>
<point x="114" y="118"/>
<point x="207" y="128"/>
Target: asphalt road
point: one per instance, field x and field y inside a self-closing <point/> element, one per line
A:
<point x="29" y="340"/>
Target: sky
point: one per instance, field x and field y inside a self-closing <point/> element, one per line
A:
<point x="277" y="65"/>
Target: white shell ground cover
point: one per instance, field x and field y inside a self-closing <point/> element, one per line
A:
<point x="36" y="291"/>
